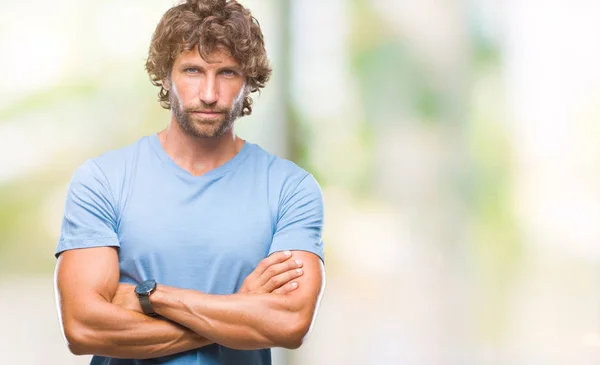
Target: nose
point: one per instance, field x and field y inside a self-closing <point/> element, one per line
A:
<point x="208" y="90"/>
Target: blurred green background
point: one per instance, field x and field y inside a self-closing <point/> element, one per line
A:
<point x="456" y="142"/>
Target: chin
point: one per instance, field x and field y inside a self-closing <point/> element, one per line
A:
<point x="203" y="134"/>
<point x="205" y="128"/>
<point x="208" y="132"/>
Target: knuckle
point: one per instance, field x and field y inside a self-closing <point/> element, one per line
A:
<point x="290" y="274"/>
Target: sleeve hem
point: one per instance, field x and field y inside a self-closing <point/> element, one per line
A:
<point x="72" y="244"/>
<point x="316" y="249"/>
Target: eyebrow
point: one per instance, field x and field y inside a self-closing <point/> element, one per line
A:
<point x="234" y="67"/>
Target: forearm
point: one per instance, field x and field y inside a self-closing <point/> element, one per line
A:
<point x="110" y="330"/>
<point x="239" y="321"/>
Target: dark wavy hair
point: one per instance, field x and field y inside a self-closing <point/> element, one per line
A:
<point x="210" y="25"/>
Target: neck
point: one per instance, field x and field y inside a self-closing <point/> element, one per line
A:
<point x="198" y="155"/>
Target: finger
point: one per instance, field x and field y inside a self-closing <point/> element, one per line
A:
<point x="289" y="287"/>
<point x="278" y="269"/>
<point x="254" y="281"/>
<point x="272" y="259"/>
<point x="278" y="281"/>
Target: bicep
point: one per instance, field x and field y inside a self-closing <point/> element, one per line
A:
<point x="310" y="285"/>
<point x="84" y="275"/>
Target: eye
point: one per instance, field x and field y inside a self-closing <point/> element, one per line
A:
<point x="228" y="73"/>
<point x="191" y="70"/>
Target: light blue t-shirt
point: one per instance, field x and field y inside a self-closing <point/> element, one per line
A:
<point x="205" y="233"/>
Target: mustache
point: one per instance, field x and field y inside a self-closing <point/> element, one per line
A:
<point x="198" y="109"/>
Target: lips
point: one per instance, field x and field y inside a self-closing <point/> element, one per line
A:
<point x="207" y="114"/>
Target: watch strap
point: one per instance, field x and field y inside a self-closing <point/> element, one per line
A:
<point x="146" y="305"/>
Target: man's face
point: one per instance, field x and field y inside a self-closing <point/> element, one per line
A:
<point x="206" y="98"/>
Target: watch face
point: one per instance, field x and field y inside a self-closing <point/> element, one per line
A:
<point x="145" y="287"/>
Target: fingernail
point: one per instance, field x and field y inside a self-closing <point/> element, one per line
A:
<point x="299" y="271"/>
<point x="287" y="253"/>
<point x="294" y="284"/>
<point x="299" y="262"/>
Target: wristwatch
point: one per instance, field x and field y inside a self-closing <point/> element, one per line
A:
<point x="143" y="291"/>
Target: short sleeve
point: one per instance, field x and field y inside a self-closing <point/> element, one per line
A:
<point x="89" y="218"/>
<point x="299" y="223"/>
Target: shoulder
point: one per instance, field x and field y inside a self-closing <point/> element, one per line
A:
<point x="108" y="169"/>
<point x="280" y="170"/>
<point x="114" y="162"/>
<point x="119" y="158"/>
<point x="285" y="177"/>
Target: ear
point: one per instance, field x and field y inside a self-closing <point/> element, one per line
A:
<point x="166" y="83"/>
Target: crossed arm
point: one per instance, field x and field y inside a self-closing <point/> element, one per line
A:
<point x="248" y="321"/>
<point x="102" y="317"/>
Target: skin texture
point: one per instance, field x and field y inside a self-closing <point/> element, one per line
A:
<point x="202" y="141"/>
<point x="102" y="317"/>
<point x="206" y="98"/>
<point x="244" y="320"/>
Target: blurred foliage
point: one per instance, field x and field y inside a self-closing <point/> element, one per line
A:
<point x="43" y="99"/>
<point x="495" y="244"/>
<point x="390" y="79"/>
<point x="21" y="225"/>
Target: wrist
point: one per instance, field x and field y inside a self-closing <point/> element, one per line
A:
<point x="160" y="297"/>
<point x="143" y="291"/>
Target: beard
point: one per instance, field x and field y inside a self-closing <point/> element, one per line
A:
<point x="198" y="127"/>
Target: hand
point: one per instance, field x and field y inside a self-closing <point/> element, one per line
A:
<point x="125" y="297"/>
<point x="274" y="274"/>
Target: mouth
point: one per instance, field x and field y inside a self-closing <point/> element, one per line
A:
<point x="207" y="113"/>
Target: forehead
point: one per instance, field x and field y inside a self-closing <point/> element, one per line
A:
<point x="217" y="58"/>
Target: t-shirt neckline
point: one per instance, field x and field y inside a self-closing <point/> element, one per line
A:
<point x="166" y="160"/>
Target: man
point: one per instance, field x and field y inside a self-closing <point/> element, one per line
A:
<point x="192" y="246"/>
